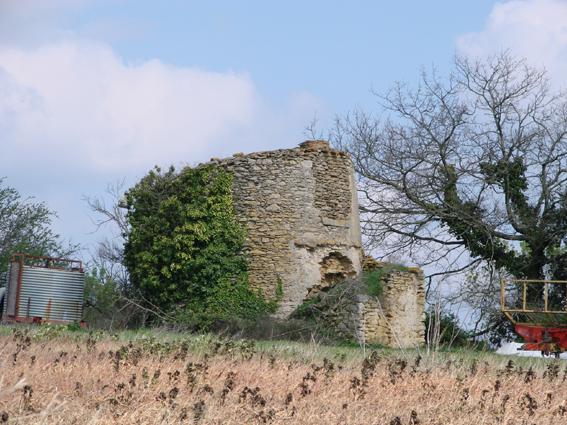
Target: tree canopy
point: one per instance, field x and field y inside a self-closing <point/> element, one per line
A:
<point x="473" y="163"/>
<point x="25" y="226"/>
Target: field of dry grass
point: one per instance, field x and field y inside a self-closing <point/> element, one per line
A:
<point x="53" y="378"/>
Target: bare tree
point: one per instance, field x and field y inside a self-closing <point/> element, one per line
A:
<point x="465" y="170"/>
<point x="109" y="255"/>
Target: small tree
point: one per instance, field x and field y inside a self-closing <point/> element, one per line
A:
<point x="25" y="226"/>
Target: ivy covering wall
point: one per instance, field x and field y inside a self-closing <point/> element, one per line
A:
<point x="184" y="250"/>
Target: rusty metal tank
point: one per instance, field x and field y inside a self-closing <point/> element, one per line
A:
<point x="44" y="289"/>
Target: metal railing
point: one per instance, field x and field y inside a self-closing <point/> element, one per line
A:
<point x="47" y="262"/>
<point x="533" y="299"/>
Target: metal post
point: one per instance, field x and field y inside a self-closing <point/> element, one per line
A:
<point x="19" y="284"/>
<point x="524" y="296"/>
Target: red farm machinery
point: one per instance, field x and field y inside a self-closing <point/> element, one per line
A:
<point x="538" y="311"/>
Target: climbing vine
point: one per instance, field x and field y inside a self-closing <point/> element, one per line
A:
<point x="184" y="250"/>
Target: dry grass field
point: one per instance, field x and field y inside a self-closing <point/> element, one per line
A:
<point x="50" y="377"/>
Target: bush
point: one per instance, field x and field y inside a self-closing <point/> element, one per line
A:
<point x="184" y="251"/>
<point x="373" y="281"/>
<point x="229" y="300"/>
<point x="327" y="309"/>
<point x="104" y="306"/>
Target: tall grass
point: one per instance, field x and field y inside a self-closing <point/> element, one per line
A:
<point x="86" y="378"/>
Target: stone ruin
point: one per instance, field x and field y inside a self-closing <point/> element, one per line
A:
<point x="395" y="318"/>
<point x="300" y="211"/>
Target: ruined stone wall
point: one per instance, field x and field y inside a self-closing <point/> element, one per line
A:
<point x="299" y="208"/>
<point x="300" y="211"/>
<point x="394" y="319"/>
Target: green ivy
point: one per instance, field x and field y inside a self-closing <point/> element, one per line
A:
<point x="374" y="279"/>
<point x="279" y="290"/>
<point x="184" y="250"/>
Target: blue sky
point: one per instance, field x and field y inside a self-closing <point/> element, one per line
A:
<point x="95" y="91"/>
<point x="335" y="50"/>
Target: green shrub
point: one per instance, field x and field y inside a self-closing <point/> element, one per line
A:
<point x="184" y="251"/>
<point x="100" y="294"/>
<point x="373" y="281"/>
<point x="451" y="333"/>
<point x="229" y="300"/>
<point x="309" y="309"/>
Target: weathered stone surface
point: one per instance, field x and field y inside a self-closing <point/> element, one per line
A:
<point x="300" y="211"/>
<point x="396" y="318"/>
<point x="393" y="319"/>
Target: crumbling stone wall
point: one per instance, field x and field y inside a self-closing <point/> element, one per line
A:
<point x="300" y="211"/>
<point x="394" y="319"/>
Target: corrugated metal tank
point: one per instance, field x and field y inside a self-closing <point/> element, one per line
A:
<point x="40" y="292"/>
<point x="12" y="289"/>
<point x="3" y="283"/>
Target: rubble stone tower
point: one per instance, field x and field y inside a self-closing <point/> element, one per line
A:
<point x="299" y="208"/>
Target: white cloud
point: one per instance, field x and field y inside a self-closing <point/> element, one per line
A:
<point x="534" y="29"/>
<point x="33" y="21"/>
<point x="75" y="116"/>
<point x="79" y="100"/>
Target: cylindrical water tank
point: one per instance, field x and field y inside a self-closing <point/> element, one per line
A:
<point x="42" y="289"/>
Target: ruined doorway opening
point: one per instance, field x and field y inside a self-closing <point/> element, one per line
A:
<point x="335" y="268"/>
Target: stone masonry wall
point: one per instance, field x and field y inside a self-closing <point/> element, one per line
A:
<point x="300" y="210"/>
<point x="396" y="318"/>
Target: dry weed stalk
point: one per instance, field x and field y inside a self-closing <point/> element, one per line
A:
<point x="100" y="381"/>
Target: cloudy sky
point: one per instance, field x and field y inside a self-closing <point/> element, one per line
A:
<point x="96" y="91"/>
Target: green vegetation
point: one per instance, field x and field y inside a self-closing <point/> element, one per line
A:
<point x="103" y="305"/>
<point x="370" y="282"/>
<point x="25" y="226"/>
<point x="184" y="250"/>
<point x="374" y="279"/>
<point x="449" y="334"/>
<point x="333" y="300"/>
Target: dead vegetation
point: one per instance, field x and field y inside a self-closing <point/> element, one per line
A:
<point x="93" y="379"/>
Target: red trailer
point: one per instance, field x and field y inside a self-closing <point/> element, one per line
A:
<point x="538" y="310"/>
